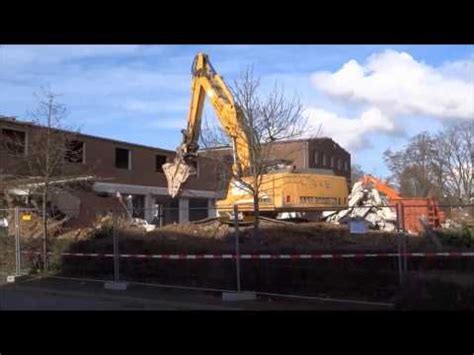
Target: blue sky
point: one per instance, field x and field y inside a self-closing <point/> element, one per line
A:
<point x="368" y="98"/>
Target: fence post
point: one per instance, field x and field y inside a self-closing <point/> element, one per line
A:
<point x="405" y="253"/>
<point x="116" y="248"/>
<point x="116" y="284"/>
<point x="399" y="245"/>
<point x="17" y="242"/>
<point x="404" y="241"/>
<point x="160" y="215"/>
<point x="237" y="245"/>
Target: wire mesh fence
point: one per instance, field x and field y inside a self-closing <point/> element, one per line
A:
<point x="311" y="257"/>
<point x="7" y="243"/>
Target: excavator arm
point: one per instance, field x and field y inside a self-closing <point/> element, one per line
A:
<point x="206" y="82"/>
<point x="380" y="186"/>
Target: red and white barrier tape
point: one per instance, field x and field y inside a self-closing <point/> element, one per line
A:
<point x="269" y="256"/>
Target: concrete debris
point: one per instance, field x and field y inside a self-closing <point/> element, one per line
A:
<point x="367" y="204"/>
<point x="141" y="223"/>
<point x="3" y="223"/>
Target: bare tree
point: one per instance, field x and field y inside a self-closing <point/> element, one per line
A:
<point x="46" y="158"/>
<point x="439" y="165"/>
<point x="413" y="167"/>
<point x="356" y="173"/>
<point x="456" y="156"/>
<point x="266" y="120"/>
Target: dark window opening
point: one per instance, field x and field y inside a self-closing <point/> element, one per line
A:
<point x="339" y="164"/>
<point x="74" y="151"/>
<point x="325" y="159"/>
<point x="138" y="206"/>
<point x="167" y="211"/>
<point x="198" y="209"/>
<point x="14" y="141"/>
<point x="316" y="158"/>
<point x="122" y="158"/>
<point x="333" y="162"/>
<point x="159" y="161"/>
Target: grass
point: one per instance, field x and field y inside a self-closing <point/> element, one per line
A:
<point x="461" y="237"/>
<point x="435" y="295"/>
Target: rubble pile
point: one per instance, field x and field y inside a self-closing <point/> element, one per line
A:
<point x="365" y="204"/>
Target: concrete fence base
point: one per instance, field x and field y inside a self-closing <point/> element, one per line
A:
<point x="239" y="296"/>
<point x="15" y="278"/>
<point x="116" y="286"/>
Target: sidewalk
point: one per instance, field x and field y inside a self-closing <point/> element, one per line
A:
<point x="66" y="294"/>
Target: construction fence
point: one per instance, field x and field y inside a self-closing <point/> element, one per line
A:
<point x="353" y="259"/>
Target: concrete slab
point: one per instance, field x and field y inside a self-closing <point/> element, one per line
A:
<point x="15" y="278"/>
<point x="116" y="286"/>
<point x="239" y="296"/>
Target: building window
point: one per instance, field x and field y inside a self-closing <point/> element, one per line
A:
<point x="138" y="206"/>
<point x="333" y="162"/>
<point x="122" y="158"/>
<point x="159" y="161"/>
<point x="316" y="158"/>
<point x="339" y="164"/>
<point x="14" y="141"/>
<point x="74" y="151"/>
<point x="325" y="159"/>
<point x="346" y="165"/>
<point x="198" y="209"/>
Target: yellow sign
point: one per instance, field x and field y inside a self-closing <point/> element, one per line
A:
<point x="26" y="217"/>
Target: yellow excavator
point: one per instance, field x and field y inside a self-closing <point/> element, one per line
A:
<point x="281" y="190"/>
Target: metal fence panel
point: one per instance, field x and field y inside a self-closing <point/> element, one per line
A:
<point x="7" y="243"/>
<point x="210" y="254"/>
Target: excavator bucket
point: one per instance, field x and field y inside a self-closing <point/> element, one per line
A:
<point x="176" y="174"/>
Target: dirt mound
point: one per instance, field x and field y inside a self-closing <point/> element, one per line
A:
<point x="213" y="230"/>
<point x="214" y="236"/>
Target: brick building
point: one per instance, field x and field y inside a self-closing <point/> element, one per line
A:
<point x="136" y="170"/>
<point x="131" y="169"/>
<point x="319" y="155"/>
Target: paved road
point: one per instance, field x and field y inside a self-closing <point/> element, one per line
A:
<point x="60" y="294"/>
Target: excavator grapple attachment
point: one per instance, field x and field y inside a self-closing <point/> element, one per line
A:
<point x="176" y="175"/>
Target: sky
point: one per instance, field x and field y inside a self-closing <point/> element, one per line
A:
<point x="368" y="98"/>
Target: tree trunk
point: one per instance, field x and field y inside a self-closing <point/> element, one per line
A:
<point x="45" y="228"/>
<point x="256" y="209"/>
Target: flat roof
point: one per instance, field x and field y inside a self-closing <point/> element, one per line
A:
<point x="226" y="147"/>
<point x="14" y="120"/>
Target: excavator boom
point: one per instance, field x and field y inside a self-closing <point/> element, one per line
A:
<point x="380" y="186"/>
<point x="207" y="82"/>
<point x="279" y="191"/>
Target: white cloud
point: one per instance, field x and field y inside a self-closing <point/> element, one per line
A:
<point x="111" y="81"/>
<point x="350" y="132"/>
<point x="396" y="83"/>
<point x="20" y="56"/>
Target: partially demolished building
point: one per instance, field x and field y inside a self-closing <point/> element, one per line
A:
<point x="132" y="170"/>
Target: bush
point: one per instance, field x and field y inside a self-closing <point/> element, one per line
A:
<point x="462" y="237"/>
<point x="436" y="295"/>
<point x="105" y="231"/>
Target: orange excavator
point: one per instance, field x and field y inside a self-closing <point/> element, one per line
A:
<point x="380" y="186"/>
<point x="410" y="209"/>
